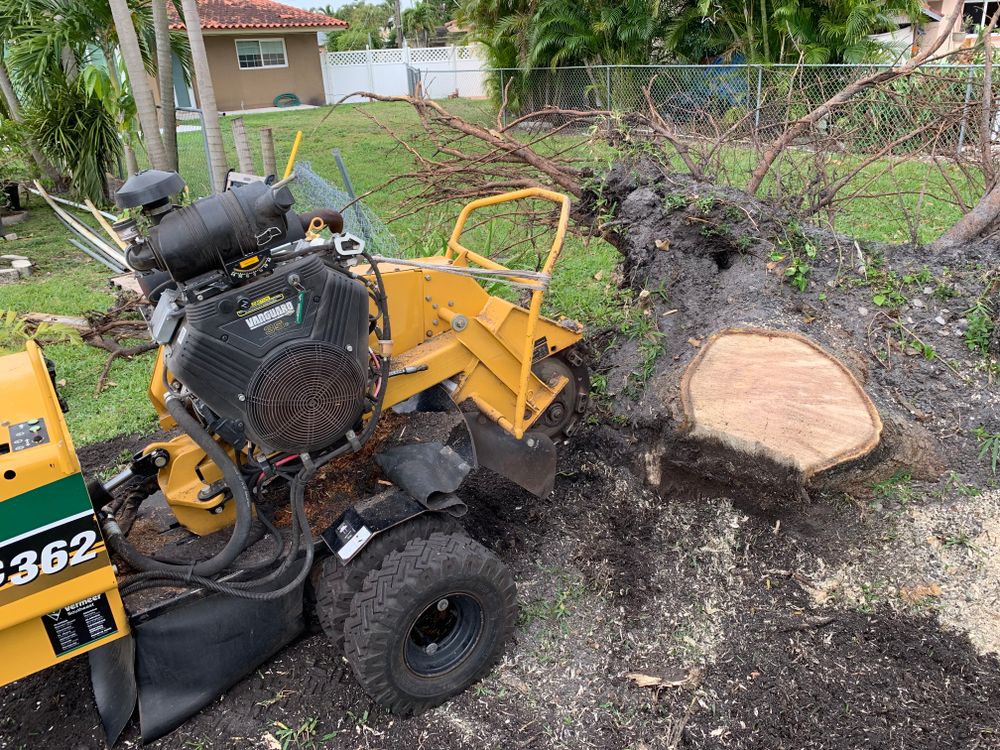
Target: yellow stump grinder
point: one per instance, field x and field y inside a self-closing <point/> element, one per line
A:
<point x="291" y="366"/>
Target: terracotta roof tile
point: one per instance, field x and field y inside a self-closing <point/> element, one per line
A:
<point x="255" y="14"/>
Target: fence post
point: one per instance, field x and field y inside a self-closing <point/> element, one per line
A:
<point x="267" y="152"/>
<point x="208" y="153"/>
<point x="242" y="143"/>
<point x="324" y="69"/>
<point x="503" y="112"/>
<point x="370" y="62"/>
<point x="756" y="115"/>
<point x="965" y="114"/>
<point x="607" y="78"/>
<point x="349" y="187"/>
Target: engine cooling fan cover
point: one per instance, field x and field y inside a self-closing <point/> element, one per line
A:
<point x="305" y="396"/>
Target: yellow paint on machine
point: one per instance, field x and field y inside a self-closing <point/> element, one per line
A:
<point x="446" y="327"/>
<point x="58" y="593"/>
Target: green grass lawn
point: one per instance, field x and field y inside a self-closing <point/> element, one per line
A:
<point x="68" y="282"/>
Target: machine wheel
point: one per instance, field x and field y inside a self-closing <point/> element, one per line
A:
<point x="335" y="584"/>
<point x="432" y="620"/>
<point x="561" y="416"/>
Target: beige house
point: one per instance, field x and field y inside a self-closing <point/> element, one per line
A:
<point x="257" y="51"/>
<point x="974" y="15"/>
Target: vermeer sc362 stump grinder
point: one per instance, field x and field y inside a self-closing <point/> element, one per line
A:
<point x="288" y="362"/>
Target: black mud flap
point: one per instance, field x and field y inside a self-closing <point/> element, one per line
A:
<point x="189" y="654"/>
<point x="349" y="534"/>
<point x="529" y="462"/>
<point x="112" y="675"/>
<point x="428" y="472"/>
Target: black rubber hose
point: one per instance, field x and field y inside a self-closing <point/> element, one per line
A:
<point x="279" y="545"/>
<point x="153" y="579"/>
<point x="383" y="307"/>
<point x="241" y="496"/>
<point x="172" y="578"/>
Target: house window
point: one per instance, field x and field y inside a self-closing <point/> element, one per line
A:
<point x="976" y="14"/>
<point x="261" y="53"/>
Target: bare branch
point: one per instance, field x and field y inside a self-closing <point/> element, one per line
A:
<point x="844" y="95"/>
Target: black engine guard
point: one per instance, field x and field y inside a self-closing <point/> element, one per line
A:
<point x="185" y="654"/>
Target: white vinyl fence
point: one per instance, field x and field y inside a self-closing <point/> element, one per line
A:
<point x="441" y="72"/>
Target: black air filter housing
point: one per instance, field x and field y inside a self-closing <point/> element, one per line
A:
<point x="285" y="356"/>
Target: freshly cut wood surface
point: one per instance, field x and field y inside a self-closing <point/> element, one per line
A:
<point x="779" y="394"/>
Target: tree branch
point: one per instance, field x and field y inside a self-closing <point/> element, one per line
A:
<point x="845" y="94"/>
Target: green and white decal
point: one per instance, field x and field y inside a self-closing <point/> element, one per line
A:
<point x="49" y="535"/>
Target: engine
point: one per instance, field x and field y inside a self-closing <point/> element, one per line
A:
<point x="268" y="330"/>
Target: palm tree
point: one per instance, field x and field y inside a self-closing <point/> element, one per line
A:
<point x="128" y="43"/>
<point x="421" y="20"/>
<point x="593" y="32"/>
<point x="840" y="30"/>
<point x="398" y="15"/>
<point x="63" y="62"/>
<point x="165" y="80"/>
<point x="64" y="95"/>
<point x="14" y="110"/>
<point x="785" y="31"/>
<point x="502" y="27"/>
<point x="206" y="94"/>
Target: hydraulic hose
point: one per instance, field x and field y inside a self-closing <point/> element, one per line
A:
<point x="241" y="590"/>
<point x="154" y="579"/>
<point x="241" y="496"/>
<point x="279" y="546"/>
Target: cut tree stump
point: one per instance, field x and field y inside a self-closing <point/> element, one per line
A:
<point x="780" y="395"/>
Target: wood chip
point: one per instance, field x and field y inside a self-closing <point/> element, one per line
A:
<point x="919" y="592"/>
<point x="694" y="342"/>
<point x="645" y="680"/>
<point x="80" y="324"/>
<point x="662" y="245"/>
<point x="676" y="678"/>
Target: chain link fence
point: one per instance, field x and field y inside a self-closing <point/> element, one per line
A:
<point x="915" y="151"/>
<point x="933" y="110"/>
<point x="192" y="151"/>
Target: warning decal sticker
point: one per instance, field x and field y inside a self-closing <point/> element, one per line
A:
<point x="80" y="624"/>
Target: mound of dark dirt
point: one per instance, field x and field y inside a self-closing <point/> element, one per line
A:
<point x="794" y="675"/>
<point x="909" y="325"/>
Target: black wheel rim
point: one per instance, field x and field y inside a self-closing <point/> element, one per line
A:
<point x="443" y="635"/>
